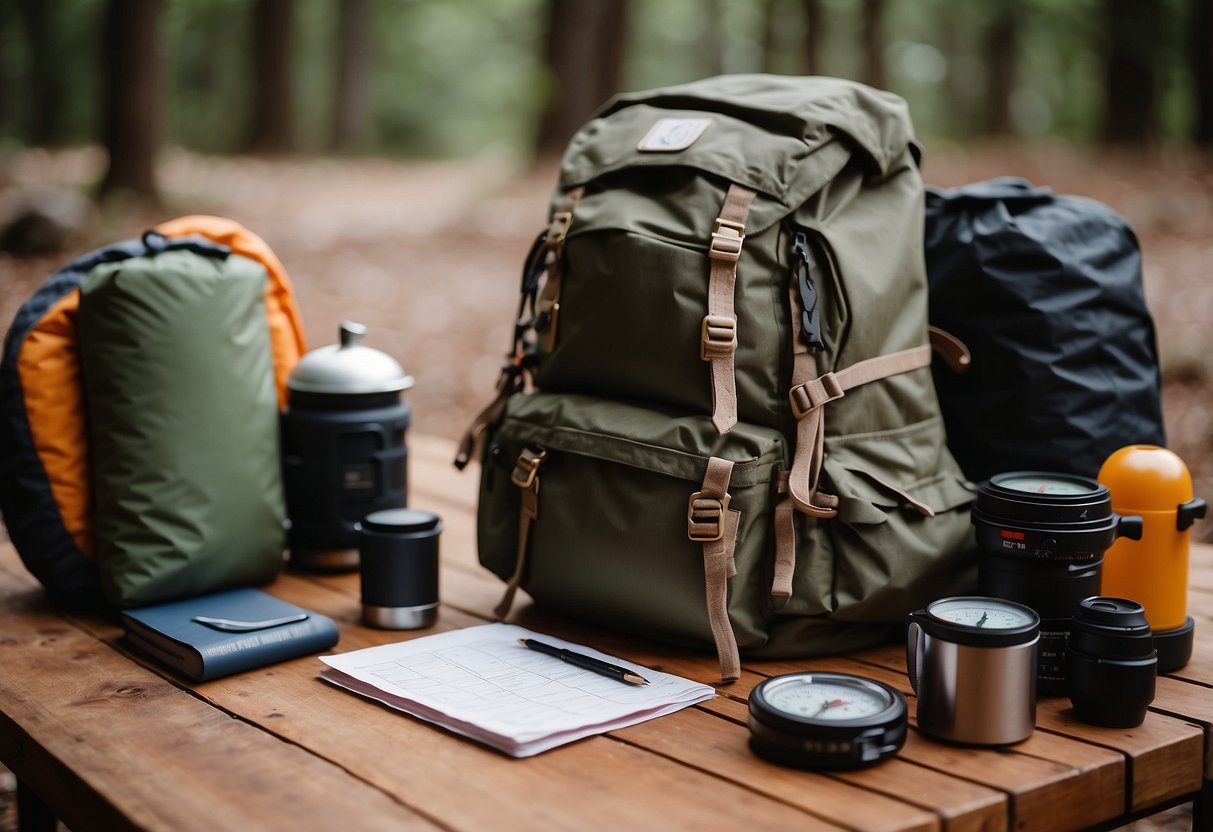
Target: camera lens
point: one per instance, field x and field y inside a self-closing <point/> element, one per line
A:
<point x="1043" y="537"/>
<point x="1111" y="662"/>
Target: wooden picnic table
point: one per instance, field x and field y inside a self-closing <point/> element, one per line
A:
<point x="104" y="740"/>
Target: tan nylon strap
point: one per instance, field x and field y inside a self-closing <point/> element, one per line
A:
<point x="883" y="366"/>
<point x="718" y="333"/>
<point x="785" y="544"/>
<point x="528" y="511"/>
<point x="549" y="298"/>
<point x="717" y="557"/>
<point x="810" y="429"/>
<point x="469" y="444"/>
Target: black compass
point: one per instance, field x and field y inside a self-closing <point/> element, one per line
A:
<point x="828" y="721"/>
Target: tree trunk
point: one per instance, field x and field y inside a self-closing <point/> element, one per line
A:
<point x="1130" y="99"/>
<point x="1200" y="53"/>
<point x="873" y="43"/>
<point x="814" y="36"/>
<point x="45" y="76"/>
<point x="770" y="35"/>
<point x="1001" y="40"/>
<point x="132" y="105"/>
<point x="352" y="121"/>
<point x="584" y="54"/>
<point x="271" y="124"/>
<point x="6" y="76"/>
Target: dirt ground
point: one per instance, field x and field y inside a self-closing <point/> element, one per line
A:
<point x="427" y="256"/>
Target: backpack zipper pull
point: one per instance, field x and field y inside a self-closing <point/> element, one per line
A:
<point x="810" y="318"/>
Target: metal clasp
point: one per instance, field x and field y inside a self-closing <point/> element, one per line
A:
<point x="526" y="470"/>
<point x="559" y="229"/>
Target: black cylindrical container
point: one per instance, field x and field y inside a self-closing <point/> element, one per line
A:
<point x="400" y="568"/>
<point x="344" y="451"/>
<point x="1111" y="662"/>
<point x="1043" y="537"/>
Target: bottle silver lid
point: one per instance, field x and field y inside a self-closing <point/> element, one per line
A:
<point x="348" y="368"/>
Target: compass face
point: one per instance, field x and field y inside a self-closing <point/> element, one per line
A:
<point x="983" y="613"/>
<point x="1032" y="484"/>
<point x="826" y="721"/>
<point x="827" y="699"/>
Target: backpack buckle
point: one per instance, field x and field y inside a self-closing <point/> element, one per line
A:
<point x="807" y="397"/>
<point x="546" y="311"/>
<point x="717" y="337"/>
<point x="559" y="229"/>
<point x="727" y="238"/>
<point x="526" y="469"/>
<point x="705" y="517"/>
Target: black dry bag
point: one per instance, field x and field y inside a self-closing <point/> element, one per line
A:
<point x="1046" y="292"/>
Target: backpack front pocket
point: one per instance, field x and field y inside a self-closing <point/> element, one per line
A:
<point x="611" y="540"/>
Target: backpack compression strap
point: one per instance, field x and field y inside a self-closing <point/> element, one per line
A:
<point x="808" y="398"/>
<point x="718" y="334"/>
<point x="547" y="309"/>
<point x="711" y="522"/>
<point x="526" y="477"/>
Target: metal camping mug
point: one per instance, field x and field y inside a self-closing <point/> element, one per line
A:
<point x="972" y="662"/>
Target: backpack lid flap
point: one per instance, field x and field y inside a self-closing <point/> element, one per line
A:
<point x="785" y="170"/>
<point x="811" y="109"/>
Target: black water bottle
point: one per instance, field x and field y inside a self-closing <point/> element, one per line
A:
<point x="343" y="444"/>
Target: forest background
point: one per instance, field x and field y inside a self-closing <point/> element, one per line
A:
<point x="398" y="154"/>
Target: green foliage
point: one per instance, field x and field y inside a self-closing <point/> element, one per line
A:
<point x="458" y="77"/>
<point x="467" y="77"/>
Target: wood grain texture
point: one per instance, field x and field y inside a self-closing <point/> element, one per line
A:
<point x="85" y="723"/>
<point x="958" y="804"/>
<point x="597" y="783"/>
<point x="110" y="745"/>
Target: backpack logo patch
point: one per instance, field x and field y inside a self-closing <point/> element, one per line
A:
<point x="669" y="135"/>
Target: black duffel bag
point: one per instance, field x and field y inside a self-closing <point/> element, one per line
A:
<point x="1046" y="292"/>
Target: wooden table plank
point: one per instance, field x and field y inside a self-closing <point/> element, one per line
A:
<point x="695" y="736"/>
<point x="689" y="769"/>
<point x="1164" y="755"/>
<point x="597" y="783"/>
<point x="1051" y="783"/>
<point x="111" y="745"/>
<point x="960" y="804"/>
<point x="1199" y="668"/>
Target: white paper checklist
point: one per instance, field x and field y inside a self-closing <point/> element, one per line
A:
<point x="482" y="683"/>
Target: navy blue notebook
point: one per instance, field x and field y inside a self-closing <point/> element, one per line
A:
<point x="226" y="632"/>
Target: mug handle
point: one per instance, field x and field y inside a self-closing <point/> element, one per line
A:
<point x="913" y="638"/>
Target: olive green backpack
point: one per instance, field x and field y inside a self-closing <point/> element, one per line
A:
<point x="718" y="424"/>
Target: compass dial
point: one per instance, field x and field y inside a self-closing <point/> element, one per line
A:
<point x="827" y="700"/>
<point x="984" y="613"/>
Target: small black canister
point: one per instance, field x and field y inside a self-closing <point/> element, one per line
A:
<point x="400" y="568"/>
<point x="344" y="451"/>
<point x="1111" y="662"/>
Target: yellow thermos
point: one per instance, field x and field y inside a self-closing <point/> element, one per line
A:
<point x="1155" y="484"/>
